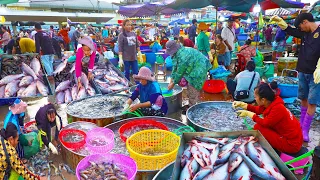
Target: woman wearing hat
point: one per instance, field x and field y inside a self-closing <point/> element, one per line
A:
<point x="202" y="41"/>
<point x="85" y="58"/>
<point x="152" y="103"/>
<point x="188" y="64"/>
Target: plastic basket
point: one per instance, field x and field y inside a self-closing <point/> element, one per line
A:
<point x="287" y="90"/>
<point x="141" y="123"/>
<point x="27" y="125"/>
<point x="101" y="133"/>
<point x="156" y="141"/>
<point x="72" y="145"/>
<point x="214" y="86"/>
<point x="125" y="163"/>
<point x="183" y="129"/>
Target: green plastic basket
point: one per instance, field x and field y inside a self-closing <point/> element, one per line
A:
<point x="183" y="129"/>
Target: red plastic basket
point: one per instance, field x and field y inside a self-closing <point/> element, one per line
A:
<point x="28" y="124"/>
<point x="214" y="86"/>
<point x="71" y="145"/>
<point x="144" y="122"/>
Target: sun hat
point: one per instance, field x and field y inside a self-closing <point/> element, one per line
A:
<point x="172" y="47"/>
<point x="144" y="73"/>
<point x="87" y="41"/>
<point x="203" y="26"/>
<point x="18" y="107"/>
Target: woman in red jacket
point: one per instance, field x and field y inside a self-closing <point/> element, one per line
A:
<point x="281" y="129"/>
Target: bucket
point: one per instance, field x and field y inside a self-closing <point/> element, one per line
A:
<point x="100" y="134"/>
<point x="287" y="63"/>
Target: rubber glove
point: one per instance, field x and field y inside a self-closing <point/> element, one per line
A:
<point x="125" y="107"/>
<point x="210" y="56"/>
<point x="121" y="61"/>
<point x="53" y="148"/>
<point x="281" y="23"/>
<point x="245" y="113"/>
<point x="240" y="104"/>
<point x="316" y="73"/>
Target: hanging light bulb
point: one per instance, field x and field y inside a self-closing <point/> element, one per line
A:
<point x="257" y="8"/>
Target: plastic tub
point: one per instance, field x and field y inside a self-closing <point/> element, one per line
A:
<point x="72" y="145"/>
<point x="287" y="90"/>
<point x="214" y="86"/>
<point x="28" y="125"/>
<point x="151" y="58"/>
<point x="143" y="122"/>
<point x="103" y="134"/>
<point x="125" y="163"/>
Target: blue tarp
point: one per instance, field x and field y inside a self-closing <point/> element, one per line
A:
<point x="179" y="21"/>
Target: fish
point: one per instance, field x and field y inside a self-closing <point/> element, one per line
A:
<point x="74" y="92"/>
<point x="67" y="96"/>
<point x="91" y="91"/>
<point x="223" y="159"/>
<point x="266" y="159"/>
<point x="253" y="154"/>
<point x="27" y="70"/>
<point x="203" y="144"/>
<point x="84" y="80"/>
<point x="205" y="155"/>
<point x="73" y="68"/>
<point x="82" y="93"/>
<point x="102" y="170"/>
<point x="219" y="174"/>
<point x="202" y="173"/>
<point x="112" y="78"/>
<point x="26" y="81"/>
<point x="123" y="81"/>
<point x="214" y="154"/>
<point x="11" y="88"/>
<point x="227" y="148"/>
<point x="189" y="169"/>
<point x="35" y="66"/>
<point x="63" y="86"/>
<point x="241" y="173"/>
<point x="274" y="171"/>
<point x="60" y="97"/>
<point x="117" y="87"/>
<point x="60" y="68"/>
<point x="31" y="90"/>
<point x="101" y="82"/>
<point x="104" y="89"/>
<point x="2" y="90"/>
<point x="185" y="156"/>
<point x="42" y="88"/>
<point x="221" y="141"/>
<point x="197" y="156"/>
<point x="10" y="78"/>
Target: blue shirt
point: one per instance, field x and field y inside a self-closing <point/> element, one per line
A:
<point x="280" y="35"/>
<point x="243" y="80"/>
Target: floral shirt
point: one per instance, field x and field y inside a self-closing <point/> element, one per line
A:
<point x="248" y="52"/>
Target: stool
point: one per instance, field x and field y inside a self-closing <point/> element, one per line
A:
<point x="287" y="157"/>
<point x="157" y="67"/>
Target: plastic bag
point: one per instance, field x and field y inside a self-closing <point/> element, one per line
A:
<point x="169" y="63"/>
<point x="215" y="63"/>
<point x="258" y="59"/>
<point x="155" y="47"/>
<point x="34" y="148"/>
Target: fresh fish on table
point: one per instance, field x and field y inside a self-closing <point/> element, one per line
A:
<point x="73" y="68"/>
<point x="185" y="156"/>
<point x="198" y="156"/>
<point x="221" y="141"/>
<point x="103" y="170"/>
<point x="104" y="89"/>
<point x="2" y="90"/>
<point x="253" y="154"/>
<point x="241" y="173"/>
<point x="84" y="80"/>
<point x="219" y="174"/>
<point x="63" y="86"/>
<point x="189" y="169"/>
<point x="60" y="67"/>
<point x="27" y="69"/>
<point x="91" y="91"/>
<point x="42" y="88"/>
<point x="10" y="78"/>
<point x="11" y="88"/>
<point x="82" y="93"/>
<point x="67" y="96"/>
<point x="35" y="66"/>
<point x="60" y="97"/>
<point x="112" y="78"/>
<point x="116" y="87"/>
<point x="74" y="92"/>
<point x="26" y="81"/>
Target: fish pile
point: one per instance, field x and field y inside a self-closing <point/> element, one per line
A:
<point x="286" y="80"/>
<point x="295" y="109"/>
<point x="103" y="171"/>
<point x="67" y="90"/>
<point x="108" y="80"/>
<point x="237" y="159"/>
<point x="218" y="118"/>
<point x="97" y="142"/>
<point x="127" y="133"/>
<point x="98" y="106"/>
<point x="26" y="81"/>
<point x="73" y="138"/>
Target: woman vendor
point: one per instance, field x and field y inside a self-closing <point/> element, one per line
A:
<point x="152" y="103"/>
<point x="202" y="41"/>
<point x="219" y="48"/>
<point x="281" y="129"/>
<point x="88" y="49"/>
<point x="47" y="118"/>
<point x="11" y="165"/>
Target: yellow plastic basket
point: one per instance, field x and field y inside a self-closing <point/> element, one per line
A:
<point x="153" y="149"/>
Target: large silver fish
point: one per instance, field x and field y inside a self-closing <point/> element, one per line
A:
<point x="189" y="169"/>
<point x="253" y="154"/>
<point x="20" y="91"/>
<point x="60" y="97"/>
<point x="73" y="68"/>
<point x="67" y="96"/>
<point x="11" y="88"/>
<point x="74" y="92"/>
<point x="203" y="144"/>
<point x="35" y="66"/>
<point x="117" y="87"/>
<point x="228" y="147"/>
<point x="214" y="154"/>
<point x="26" y="81"/>
<point x="60" y="68"/>
<point x="63" y="86"/>
<point x="219" y="174"/>
<point x="197" y="156"/>
<point x="185" y="156"/>
<point x="84" y="80"/>
<point x="241" y="173"/>
<point x="27" y="69"/>
<point x="42" y="88"/>
<point x="91" y="91"/>
<point x="112" y="78"/>
<point x="2" y="89"/>
<point x="211" y="139"/>
<point x="203" y="173"/>
<point x="31" y="90"/>
<point x="82" y="93"/>
<point x="8" y="79"/>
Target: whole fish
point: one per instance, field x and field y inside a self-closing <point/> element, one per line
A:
<point x="60" y="97"/>
<point x="112" y="78"/>
<point x="42" y="88"/>
<point x="20" y="92"/>
<point x="223" y="159"/>
<point x="35" y="66"/>
<point x="117" y="87"/>
<point x="219" y="174"/>
<point x="11" y="88"/>
<point x="241" y="173"/>
<point x="189" y="169"/>
<point x="60" y="68"/>
<point x="274" y="171"/>
<point x="31" y="90"/>
<point x="203" y="144"/>
<point x="197" y="156"/>
<point x="91" y="91"/>
<point x="185" y="156"/>
<point x="253" y="154"/>
<point x="67" y="96"/>
<point x="2" y="89"/>
<point x="101" y="82"/>
<point x="221" y="141"/>
<point x="26" y="81"/>
<point x="202" y="173"/>
<point x="63" y="86"/>
<point x="73" y="68"/>
<point x="214" y="154"/>
<point x="227" y="148"/>
<point x="123" y="81"/>
<point x="82" y="93"/>
<point x="84" y="80"/>
<point x="104" y="89"/>
<point x="8" y="79"/>
<point x="27" y="69"/>
<point x="74" y="92"/>
<point x="205" y="155"/>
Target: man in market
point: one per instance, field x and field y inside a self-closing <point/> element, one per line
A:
<point x="229" y="38"/>
<point x="26" y="45"/>
<point x="219" y="29"/>
<point x="44" y="46"/>
<point x="193" y="31"/>
<point x="176" y="30"/>
<point x="308" y="65"/>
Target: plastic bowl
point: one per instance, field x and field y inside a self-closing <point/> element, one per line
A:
<point x="142" y="122"/>
<point x="214" y="86"/>
<point x="287" y="90"/>
<point x="127" y="164"/>
<point x="103" y="134"/>
<point x="72" y="145"/>
<point x="28" y="124"/>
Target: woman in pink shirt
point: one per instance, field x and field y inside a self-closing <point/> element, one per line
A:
<point x="87" y="51"/>
<point x="247" y="50"/>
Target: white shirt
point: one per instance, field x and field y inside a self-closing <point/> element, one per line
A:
<point x="229" y="36"/>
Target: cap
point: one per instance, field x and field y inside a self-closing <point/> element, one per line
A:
<point x="303" y="16"/>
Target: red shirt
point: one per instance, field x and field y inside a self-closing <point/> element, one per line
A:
<point x="188" y="43"/>
<point x="279" y="119"/>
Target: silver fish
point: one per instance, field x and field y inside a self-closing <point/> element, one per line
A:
<point x="91" y="91"/>
<point x="74" y="92"/>
<point x="60" y="68"/>
<point x="211" y="139"/>
<point x="42" y="88"/>
<point x="63" y="86"/>
<point x="8" y="79"/>
<point x="31" y="90"/>
<point x="20" y="92"/>
<point x="104" y="89"/>
<point x="197" y="156"/>
<point x="60" y="97"/>
<point x="117" y="87"/>
<point x="26" y="81"/>
<point x="202" y="173"/>
<point x="266" y="159"/>
<point x="227" y="148"/>
<point x="214" y="154"/>
<point x="11" y="88"/>
<point x="219" y="174"/>
<point x="27" y="69"/>
<point x="242" y="173"/>
<point x="84" y="80"/>
<point x="203" y="144"/>
<point x="112" y="78"/>
<point x="2" y="89"/>
<point x="185" y="156"/>
<point x="35" y="66"/>
<point x="189" y="169"/>
<point x="73" y="68"/>
<point x="67" y="96"/>
<point x="223" y="159"/>
<point x="253" y="154"/>
<point x="274" y="171"/>
<point x="82" y="93"/>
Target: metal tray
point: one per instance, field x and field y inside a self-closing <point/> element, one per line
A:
<point x="232" y="134"/>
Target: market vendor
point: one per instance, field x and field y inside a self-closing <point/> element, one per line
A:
<point x="202" y="41"/>
<point x="47" y="118"/>
<point x="280" y="128"/>
<point x="85" y="58"/>
<point x="308" y="66"/>
<point x="10" y="163"/>
<point x="152" y="103"/>
<point x="26" y="45"/>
